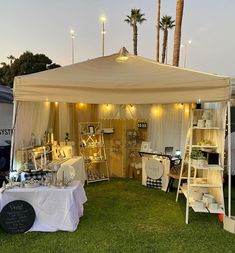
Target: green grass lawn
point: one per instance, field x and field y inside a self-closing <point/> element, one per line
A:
<point x="123" y="216"/>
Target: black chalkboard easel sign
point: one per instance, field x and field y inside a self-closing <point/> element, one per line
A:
<point x="17" y="217"/>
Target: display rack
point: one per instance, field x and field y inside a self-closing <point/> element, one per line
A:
<point x="92" y="148"/>
<point x="203" y="183"/>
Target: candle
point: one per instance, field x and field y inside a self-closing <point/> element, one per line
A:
<point x="35" y="164"/>
<point x="45" y="157"/>
<point x="41" y="161"/>
<point x="52" y="138"/>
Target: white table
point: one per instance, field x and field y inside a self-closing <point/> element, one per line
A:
<point x="56" y="209"/>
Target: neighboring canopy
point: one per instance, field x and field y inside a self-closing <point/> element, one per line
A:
<point x="121" y="79"/>
<point x="6" y="94"/>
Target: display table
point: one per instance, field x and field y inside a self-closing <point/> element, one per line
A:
<point x="56" y="209"/>
<point x="76" y="162"/>
<point x="166" y="165"/>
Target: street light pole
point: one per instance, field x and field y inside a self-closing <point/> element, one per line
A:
<point x="72" y="40"/>
<point x="103" y="19"/>
<point x="185" y="51"/>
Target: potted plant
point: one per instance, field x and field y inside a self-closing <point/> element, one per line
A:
<point x="197" y="157"/>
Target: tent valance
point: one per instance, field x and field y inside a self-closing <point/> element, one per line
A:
<point x="127" y="80"/>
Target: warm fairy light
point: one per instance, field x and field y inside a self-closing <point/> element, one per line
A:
<point x="107" y="107"/>
<point x="56" y="103"/>
<point x="181" y="106"/>
<point x="156" y="111"/>
<point x="186" y="110"/>
<point x="82" y="105"/>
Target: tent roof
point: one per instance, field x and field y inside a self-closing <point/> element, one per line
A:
<point x="6" y="94"/>
<point x="116" y="79"/>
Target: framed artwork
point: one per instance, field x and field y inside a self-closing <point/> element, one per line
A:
<point x="145" y="146"/>
<point x="91" y="129"/>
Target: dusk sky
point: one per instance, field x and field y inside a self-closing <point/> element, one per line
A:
<point x="42" y="26"/>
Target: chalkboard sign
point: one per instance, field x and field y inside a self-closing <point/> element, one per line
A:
<point x="17" y="217"/>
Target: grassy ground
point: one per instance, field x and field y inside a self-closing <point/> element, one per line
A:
<point x="123" y="216"/>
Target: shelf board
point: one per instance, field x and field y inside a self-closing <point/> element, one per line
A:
<point x="202" y="146"/>
<point x="207" y="167"/>
<point x="92" y="133"/>
<point x="206" y="128"/>
<point x="219" y="210"/>
<point x="206" y="185"/>
<point x="202" y="109"/>
<point x="199" y="210"/>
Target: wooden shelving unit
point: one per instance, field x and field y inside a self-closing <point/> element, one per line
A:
<point x="203" y="181"/>
<point x="92" y="148"/>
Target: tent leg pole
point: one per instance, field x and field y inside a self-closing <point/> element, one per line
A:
<point x="229" y="159"/>
<point x="15" y="107"/>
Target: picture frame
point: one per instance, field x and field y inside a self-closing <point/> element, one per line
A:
<point x="145" y="146"/>
<point x="91" y="129"/>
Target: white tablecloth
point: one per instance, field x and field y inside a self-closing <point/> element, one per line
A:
<point x="78" y="164"/>
<point x="56" y="209"/>
<point x="166" y="166"/>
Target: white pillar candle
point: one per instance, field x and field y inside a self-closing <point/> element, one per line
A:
<point x="41" y="161"/>
<point x="45" y="157"/>
<point x="35" y="164"/>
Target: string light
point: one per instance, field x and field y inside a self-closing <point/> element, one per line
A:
<point x="181" y="106"/>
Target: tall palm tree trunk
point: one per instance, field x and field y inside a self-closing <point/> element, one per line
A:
<point x="164" y="45"/>
<point x="177" y="35"/>
<point x="135" y="34"/>
<point x="158" y="30"/>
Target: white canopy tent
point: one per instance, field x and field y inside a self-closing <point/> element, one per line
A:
<point x="120" y="79"/>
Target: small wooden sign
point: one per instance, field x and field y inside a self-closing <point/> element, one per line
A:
<point x="17" y="217"/>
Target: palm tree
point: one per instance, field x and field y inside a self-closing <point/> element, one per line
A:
<point x="11" y="58"/>
<point x="177" y="36"/>
<point x="158" y="29"/>
<point x="133" y="19"/>
<point x="165" y="24"/>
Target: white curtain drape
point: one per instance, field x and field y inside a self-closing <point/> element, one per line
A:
<point x="110" y="111"/>
<point x="168" y="123"/>
<point x="64" y="120"/>
<point x="168" y="126"/>
<point x="32" y="118"/>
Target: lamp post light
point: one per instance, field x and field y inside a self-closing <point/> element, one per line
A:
<point x="103" y="19"/>
<point x="185" y="46"/>
<point x="72" y="33"/>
